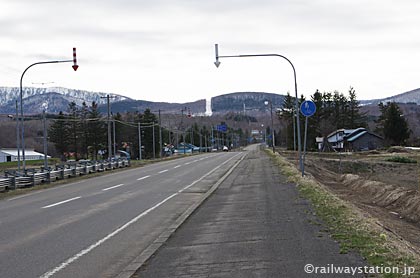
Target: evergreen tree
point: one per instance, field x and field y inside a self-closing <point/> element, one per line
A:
<point x="59" y="134"/>
<point x="392" y="124"/>
<point x="84" y="130"/>
<point x="355" y="117"/>
<point x="287" y="115"/>
<point x="148" y="120"/>
<point x="74" y="129"/>
<point x="97" y="131"/>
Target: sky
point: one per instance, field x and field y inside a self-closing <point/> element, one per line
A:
<point x="162" y="50"/>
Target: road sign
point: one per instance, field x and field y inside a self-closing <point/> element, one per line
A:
<point x="308" y="108"/>
<point x="222" y="128"/>
<point x="75" y="66"/>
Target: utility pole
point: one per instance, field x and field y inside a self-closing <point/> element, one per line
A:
<point x="109" y="127"/>
<point x="45" y="140"/>
<point x="113" y="134"/>
<point x="160" y="136"/>
<point x="139" y="131"/>
<point x="17" y="136"/>
<point x="154" y="145"/>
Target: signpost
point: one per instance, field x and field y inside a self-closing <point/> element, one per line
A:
<point x="307" y="108"/>
<point x="222" y="128"/>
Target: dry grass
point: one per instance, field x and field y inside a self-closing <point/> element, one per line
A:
<point x="353" y="228"/>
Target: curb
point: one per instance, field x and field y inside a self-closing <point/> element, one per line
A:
<point x="140" y="260"/>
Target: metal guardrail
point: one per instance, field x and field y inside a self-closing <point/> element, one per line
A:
<point x="32" y="177"/>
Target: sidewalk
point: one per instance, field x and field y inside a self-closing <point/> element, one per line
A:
<point x="254" y="225"/>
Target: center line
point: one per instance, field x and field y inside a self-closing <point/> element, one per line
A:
<point x="177" y="166"/>
<point x="187" y="163"/>
<point x="163" y="171"/>
<point x="62" y="202"/>
<point x="115" y="186"/>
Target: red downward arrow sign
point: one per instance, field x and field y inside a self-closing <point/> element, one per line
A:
<point x="75" y="67"/>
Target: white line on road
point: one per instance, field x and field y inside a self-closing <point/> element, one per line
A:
<point x="123" y="227"/>
<point x="142" y="178"/>
<point x="62" y="202"/>
<point x="163" y="171"/>
<point x="112" y="187"/>
<point x="187" y="163"/>
<point x="177" y="166"/>
<point x="194" y="182"/>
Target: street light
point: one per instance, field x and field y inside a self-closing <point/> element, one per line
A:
<point x="217" y="63"/>
<point x="272" y="124"/>
<point x="75" y="67"/>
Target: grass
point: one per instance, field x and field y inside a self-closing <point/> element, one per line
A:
<point x="401" y="159"/>
<point x="349" y="227"/>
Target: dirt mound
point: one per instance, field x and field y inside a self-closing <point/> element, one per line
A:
<point x="398" y="149"/>
<point x="399" y="200"/>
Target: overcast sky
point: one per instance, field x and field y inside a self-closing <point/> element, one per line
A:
<point x="162" y="50"/>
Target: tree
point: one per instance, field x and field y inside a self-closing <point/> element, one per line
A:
<point x="287" y="115"/>
<point x="97" y="131"/>
<point x="74" y="133"/>
<point x="148" y="120"/>
<point x="355" y="117"/>
<point x="392" y="124"/>
<point x="59" y="134"/>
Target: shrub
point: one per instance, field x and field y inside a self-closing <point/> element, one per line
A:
<point x="401" y="159"/>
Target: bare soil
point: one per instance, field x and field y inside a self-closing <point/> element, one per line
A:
<point x="388" y="191"/>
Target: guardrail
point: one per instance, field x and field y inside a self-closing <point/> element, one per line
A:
<point x="13" y="180"/>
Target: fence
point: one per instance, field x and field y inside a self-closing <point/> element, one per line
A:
<point x="32" y="177"/>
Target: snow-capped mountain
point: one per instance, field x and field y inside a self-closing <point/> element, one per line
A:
<point x="53" y="100"/>
<point x="412" y="96"/>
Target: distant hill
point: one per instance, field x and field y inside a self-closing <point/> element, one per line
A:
<point x="197" y="107"/>
<point x="238" y="102"/>
<point x="57" y="99"/>
<point x="53" y="100"/>
<point x="407" y="97"/>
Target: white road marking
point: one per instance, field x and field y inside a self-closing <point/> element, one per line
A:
<point x="142" y="178"/>
<point x="163" y="171"/>
<point x="194" y="182"/>
<point x="112" y="187"/>
<point x="62" y="202"/>
<point x="177" y="166"/>
<point x="187" y="163"/>
<point x="123" y="227"/>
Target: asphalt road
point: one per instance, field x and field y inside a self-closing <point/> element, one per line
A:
<point x="96" y="227"/>
<point x="254" y="225"/>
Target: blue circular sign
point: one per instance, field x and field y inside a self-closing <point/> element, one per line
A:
<point x="308" y="108"/>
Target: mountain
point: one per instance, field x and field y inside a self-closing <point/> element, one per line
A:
<point x="197" y="107"/>
<point x="238" y="102"/>
<point x="412" y="96"/>
<point x="53" y="100"/>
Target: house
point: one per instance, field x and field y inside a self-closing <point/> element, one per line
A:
<point x="7" y="155"/>
<point x="351" y="140"/>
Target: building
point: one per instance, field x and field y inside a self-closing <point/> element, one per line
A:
<point x="7" y="155"/>
<point x="358" y="139"/>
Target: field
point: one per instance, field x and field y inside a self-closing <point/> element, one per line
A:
<point x="384" y="185"/>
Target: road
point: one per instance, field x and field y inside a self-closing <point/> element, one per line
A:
<point x="96" y="227"/>
<point x="254" y="225"/>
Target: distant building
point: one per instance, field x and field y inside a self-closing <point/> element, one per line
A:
<point x="7" y="155"/>
<point x="358" y="139"/>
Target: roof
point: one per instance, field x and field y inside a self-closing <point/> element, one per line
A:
<point x="13" y="152"/>
<point x="358" y="135"/>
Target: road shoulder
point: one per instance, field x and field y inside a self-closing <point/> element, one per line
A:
<point x="254" y="225"/>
